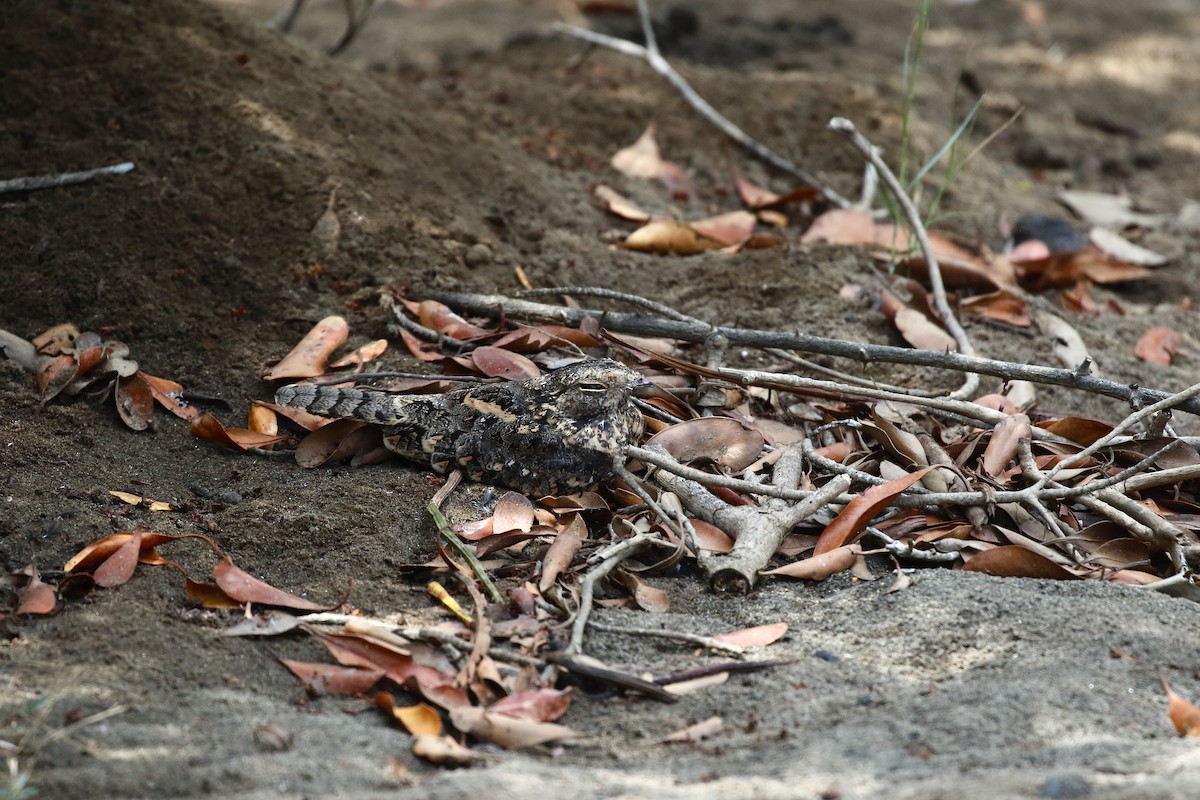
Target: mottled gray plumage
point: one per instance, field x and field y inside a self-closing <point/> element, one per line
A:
<point x="562" y="432"/>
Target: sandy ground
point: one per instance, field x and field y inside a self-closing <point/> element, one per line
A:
<point x="464" y="140"/>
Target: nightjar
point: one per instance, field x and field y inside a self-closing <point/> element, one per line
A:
<point x="565" y="431"/>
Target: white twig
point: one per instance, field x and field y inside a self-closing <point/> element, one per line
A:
<point x="29" y="184"/>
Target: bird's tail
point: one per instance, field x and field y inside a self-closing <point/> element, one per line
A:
<point x="331" y="401"/>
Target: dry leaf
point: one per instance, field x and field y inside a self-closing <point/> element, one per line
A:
<point x="57" y="340"/>
<point x="1002" y="306"/>
<point x="819" y="567"/>
<point x="860" y="511"/>
<point x="513" y="512"/>
<point x="669" y="236"/>
<point x="443" y="750"/>
<point x="560" y="554"/>
<point x="118" y="568"/>
<point x="1081" y="430"/>
<point x="321" y="678"/>
<point x="328" y="229"/>
<point x="421" y="719"/>
<point x="439" y="317"/>
<point x="1184" y="714"/>
<point x="206" y="426"/>
<point x="362" y="355"/>
<point x="841" y="226"/>
<point x="308" y="358"/>
<point x="711" y="538"/>
<point x="758" y="636"/>
<point x="640" y="159"/>
<point x="722" y="440"/>
<point x="339" y="440"/>
<point x="728" y="229"/>
<point x="1158" y="345"/>
<point x="496" y="362"/>
<point x="695" y="733"/>
<point x="245" y="588"/>
<point x="100" y="550"/>
<point x="508" y="732"/>
<point x="647" y="597"/>
<point x="1006" y="438"/>
<point x="542" y="705"/>
<point x="262" y="419"/>
<point x="168" y="394"/>
<point x="138" y="500"/>
<point x="36" y="596"/>
<point x="1015" y="561"/>
<point x="616" y="204"/>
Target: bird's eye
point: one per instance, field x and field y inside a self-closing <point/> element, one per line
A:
<point x="592" y="387"/>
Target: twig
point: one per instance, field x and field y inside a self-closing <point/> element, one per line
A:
<point x="35" y="182"/>
<point x="682" y="636"/>
<point x="641" y="325"/>
<point x="616" y="555"/>
<point x="610" y="294"/>
<point x="909" y="551"/>
<point x="448" y="537"/>
<point x="846" y="128"/>
<point x="651" y="56"/>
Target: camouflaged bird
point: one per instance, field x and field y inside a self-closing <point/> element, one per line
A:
<point x="561" y="432"/>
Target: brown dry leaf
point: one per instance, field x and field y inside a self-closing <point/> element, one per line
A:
<point x="320" y="678"/>
<point x="206" y="426"/>
<point x="711" y="538"/>
<point x="841" y="226"/>
<point x="57" y="340"/>
<point x="362" y="355"/>
<point x="513" y="512"/>
<point x="922" y="332"/>
<point x="1002" y="306"/>
<point x="308" y="358"/>
<point x="138" y="500"/>
<point x="1006" y="438"/>
<point x="497" y="362"/>
<point x="1081" y="430"/>
<point x="508" y="732"/>
<point x="168" y="394"/>
<point x="245" y="588"/>
<point x="535" y="340"/>
<point x="355" y="651"/>
<point x="541" y="705"/>
<point x="728" y="229"/>
<point x="262" y="419"/>
<point x="1158" y="345"/>
<point x="209" y="595"/>
<point x="647" y="597"/>
<point x="616" y="204"/>
<point x="439" y="317"/>
<point x="561" y="552"/>
<point x="1015" y="561"/>
<point x="695" y="733"/>
<point x="55" y="375"/>
<point x="443" y="750"/>
<point x="859" y="512"/>
<point x="98" y="551"/>
<point x="339" y="440"/>
<point x="36" y="596"/>
<point x="758" y="636"/>
<point x="669" y="236"/>
<point x="819" y="567"/>
<point x="1068" y="267"/>
<point x="421" y="719"/>
<point x="135" y="402"/>
<point x="310" y="422"/>
<point x="1184" y="714"/>
<point x="118" y="568"/>
<point x="722" y="440"/>
<point x="422" y="351"/>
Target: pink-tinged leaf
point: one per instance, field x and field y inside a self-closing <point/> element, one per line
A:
<point x="337" y="441"/>
<point x="310" y="422"/>
<point x="758" y="636"/>
<point x="922" y="332"/>
<point x="514" y="512"/>
<point x="36" y="596"/>
<point x="508" y="732"/>
<point x="841" y="226"/>
<point x="367" y="353"/>
<point x="640" y="159"/>
<point x="443" y="750"/>
<point x="669" y="236"/>
<point x="721" y="440"/>
<point x="320" y="678"/>
<point x="1158" y="345"/>
<point x="56" y="374"/>
<point x="432" y="684"/>
<point x="421" y="350"/>
<point x="262" y="419"/>
<point x="439" y="317"/>
<point x="118" y="568"/>
<point x="496" y="362"/>
<point x="1081" y="430"/>
<point x="308" y="358"/>
<point x="245" y="588"/>
<point x="861" y="510"/>
<point x="698" y="732"/>
<point x="1183" y="713"/>
<point x="1014" y="561"/>
<point x="100" y="550"/>
<point x="616" y="204"/>
<point x="711" y="538"/>
<point x="1006" y="439"/>
<point x="820" y="567"/>
<point x="541" y="705"/>
<point x="732" y="228"/>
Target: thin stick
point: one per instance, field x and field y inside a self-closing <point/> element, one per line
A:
<point x="35" y="182"/>
<point x="846" y="128"/>
<point x="682" y="636"/>
<point x="638" y="324"/>
<point x="660" y="65"/>
<point x="448" y="537"/>
<point x="616" y="555"/>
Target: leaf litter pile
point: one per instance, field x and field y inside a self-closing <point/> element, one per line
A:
<point x="742" y="474"/>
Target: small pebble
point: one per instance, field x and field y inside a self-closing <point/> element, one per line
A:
<point x="1066" y="786"/>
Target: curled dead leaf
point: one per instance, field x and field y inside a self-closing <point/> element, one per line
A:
<point x="1158" y="345"/>
<point x="308" y="358"/>
<point x="722" y="440"/>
